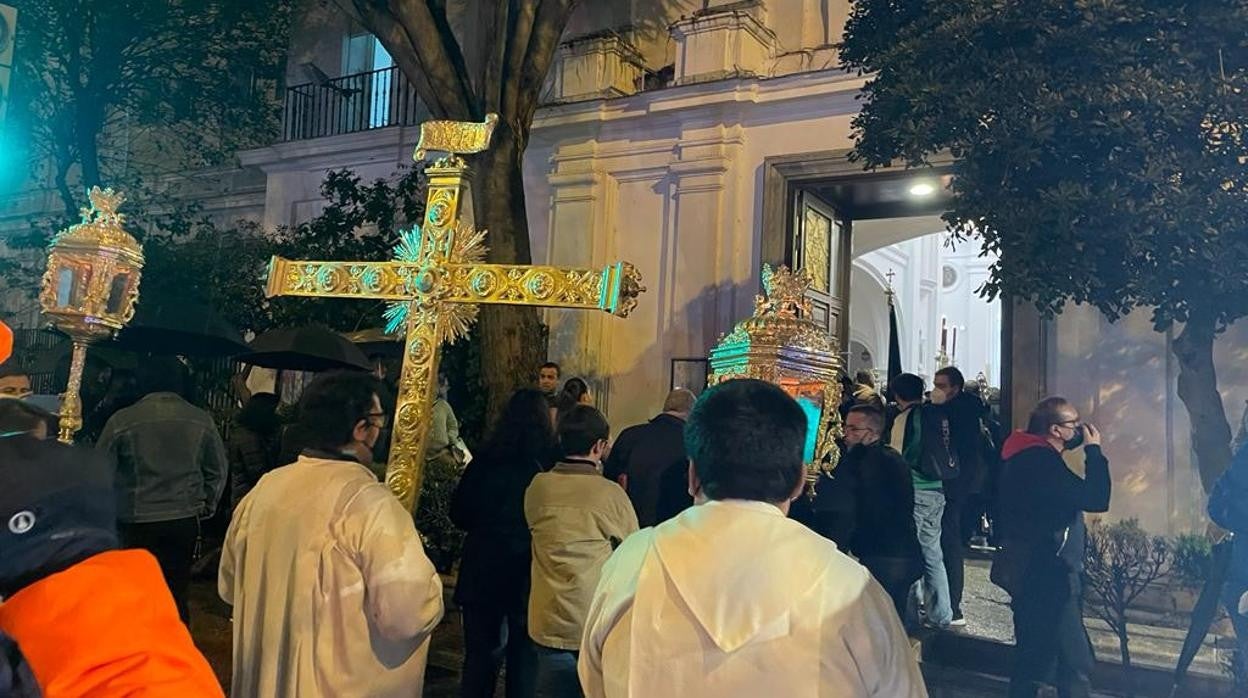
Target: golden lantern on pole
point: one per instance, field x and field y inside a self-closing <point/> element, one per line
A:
<point x="90" y="288"/>
<point x="780" y="344"/>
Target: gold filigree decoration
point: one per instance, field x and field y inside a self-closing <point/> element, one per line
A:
<point x="785" y="293"/>
<point x="630" y="290"/>
<point x="455" y="137"/>
<point x="467" y="247"/>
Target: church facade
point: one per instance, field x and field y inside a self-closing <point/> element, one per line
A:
<point x="699" y="140"/>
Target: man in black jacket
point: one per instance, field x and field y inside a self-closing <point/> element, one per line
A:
<point x="884" y="537"/>
<point x="649" y="462"/>
<point x="966" y="437"/>
<point x="1040" y="515"/>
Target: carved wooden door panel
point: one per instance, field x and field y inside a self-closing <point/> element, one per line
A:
<point x="821" y="248"/>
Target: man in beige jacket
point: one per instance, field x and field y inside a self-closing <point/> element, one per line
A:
<point x="577" y="517"/>
<point x="732" y="599"/>
<point x="332" y="592"/>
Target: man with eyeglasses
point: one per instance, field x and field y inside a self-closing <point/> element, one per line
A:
<point x="885" y="537"/>
<point x="1041" y="529"/>
<point x="331" y="587"/>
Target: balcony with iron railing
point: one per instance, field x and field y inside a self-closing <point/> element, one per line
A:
<point x="350" y="104"/>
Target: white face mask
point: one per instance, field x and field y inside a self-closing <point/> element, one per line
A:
<point x="938" y="396"/>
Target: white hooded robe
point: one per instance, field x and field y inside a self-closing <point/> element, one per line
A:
<point x="732" y="599"/>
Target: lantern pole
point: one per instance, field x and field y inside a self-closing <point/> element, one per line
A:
<point x="71" y="405"/>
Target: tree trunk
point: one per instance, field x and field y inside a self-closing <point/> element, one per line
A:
<point x="1124" y="648"/>
<point x="62" y="187"/>
<point x="1198" y="389"/>
<point x="87" y="129"/>
<point x="513" y="341"/>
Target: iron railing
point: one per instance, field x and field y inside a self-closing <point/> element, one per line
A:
<point x="349" y="104"/>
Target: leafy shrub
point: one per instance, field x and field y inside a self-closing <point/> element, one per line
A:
<point x="1193" y="556"/>
<point x="442" y="539"/>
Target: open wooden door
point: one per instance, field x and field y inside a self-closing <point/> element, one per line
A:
<point x="821" y="247"/>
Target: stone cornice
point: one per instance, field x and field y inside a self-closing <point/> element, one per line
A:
<point x="824" y="92"/>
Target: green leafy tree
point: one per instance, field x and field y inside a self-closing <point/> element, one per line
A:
<point x="120" y="92"/>
<point x="502" y="71"/>
<point x="1099" y="150"/>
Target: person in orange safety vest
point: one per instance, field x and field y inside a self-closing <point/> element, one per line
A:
<point x="91" y="621"/>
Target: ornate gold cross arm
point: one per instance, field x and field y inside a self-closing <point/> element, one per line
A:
<point x="376" y="280"/>
<point x="613" y="288"/>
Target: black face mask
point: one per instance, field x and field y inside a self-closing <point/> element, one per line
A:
<point x="1074" y="441"/>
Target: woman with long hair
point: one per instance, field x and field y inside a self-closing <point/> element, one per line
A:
<point x="493" y="585"/>
<point x="252" y="448"/>
<point x="575" y="392"/>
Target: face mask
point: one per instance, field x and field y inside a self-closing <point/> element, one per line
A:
<point x="1075" y="441"/>
<point x="938" y="396"/>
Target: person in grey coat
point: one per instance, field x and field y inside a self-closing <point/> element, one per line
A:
<point x="171" y="471"/>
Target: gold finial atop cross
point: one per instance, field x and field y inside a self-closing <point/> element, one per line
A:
<point x="434" y="283"/>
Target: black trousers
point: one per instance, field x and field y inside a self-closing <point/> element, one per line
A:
<point x="896" y="575"/>
<point x="951" y="548"/>
<point x="173" y="545"/>
<point x="1049" y="633"/>
<point x="492" y="634"/>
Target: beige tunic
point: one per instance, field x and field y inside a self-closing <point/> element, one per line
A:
<point x="731" y="599"/>
<point x="577" y="517"/>
<point x="332" y="592"/>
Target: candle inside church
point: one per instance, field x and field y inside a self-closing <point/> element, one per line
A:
<point x="944" y="334"/>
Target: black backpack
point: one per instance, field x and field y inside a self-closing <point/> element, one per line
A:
<point x="938" y="460"/>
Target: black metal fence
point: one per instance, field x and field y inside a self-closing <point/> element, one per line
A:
<point x="29" y="347"/>
<point x="352" y="103"/>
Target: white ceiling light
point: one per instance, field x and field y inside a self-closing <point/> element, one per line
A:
<point x="921" y="189"/>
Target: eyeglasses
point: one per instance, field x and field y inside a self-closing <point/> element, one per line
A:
<point x="381" y="417"/>
<point x="858" y="430"/>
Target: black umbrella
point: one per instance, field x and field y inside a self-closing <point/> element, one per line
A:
<point x="1205" y="610"/>
<point x="305" y="349"/>
<point x="56" y="359"/>
<point x="376" y="342"/>
<point x="179" y="327"/>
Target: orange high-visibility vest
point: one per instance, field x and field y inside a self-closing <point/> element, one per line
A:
<point x="6" y="342"/>
<point x="106" y="628"/>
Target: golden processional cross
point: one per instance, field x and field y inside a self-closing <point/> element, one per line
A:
<point x="435" y="282"/>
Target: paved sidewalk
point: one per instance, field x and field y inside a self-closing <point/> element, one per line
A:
<point x="987" y="612"/>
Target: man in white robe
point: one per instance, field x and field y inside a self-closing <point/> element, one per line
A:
<point x="732" y="599"/>
<point x="333" y="594"/>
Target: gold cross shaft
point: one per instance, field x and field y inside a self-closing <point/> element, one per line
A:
<point x="435" y="283"/>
